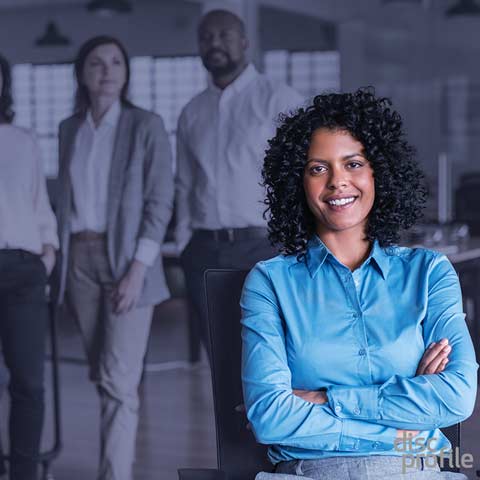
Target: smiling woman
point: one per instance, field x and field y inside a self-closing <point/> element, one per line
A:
<point x="377" y="130"/>
<point x="351" y="343"/>
<point x="338" y="183"/>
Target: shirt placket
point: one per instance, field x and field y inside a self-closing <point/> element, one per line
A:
<point x="352" y="283"/>
<point x="222" y="157"/>
<point x="91" y="197"/>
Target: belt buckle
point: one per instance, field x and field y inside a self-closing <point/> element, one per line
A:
<point x="231" y="235"/>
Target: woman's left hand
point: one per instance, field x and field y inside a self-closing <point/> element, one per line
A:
<point x="125" y="296"/>
<point x="313" y="396"/>
<point x="435" y="358"/>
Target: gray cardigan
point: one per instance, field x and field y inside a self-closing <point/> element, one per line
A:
<point x="140" y="197"/>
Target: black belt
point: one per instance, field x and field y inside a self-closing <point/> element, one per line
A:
<point x="231" y="234"/>
<point x="16" y="252"/>
<point x="87" y="236"/>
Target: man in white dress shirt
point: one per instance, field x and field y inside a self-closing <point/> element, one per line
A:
<point x="221" y="139"/>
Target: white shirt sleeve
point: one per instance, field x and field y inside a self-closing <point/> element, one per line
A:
<point x="47" y="223"/>
<point x="183" y="188"/>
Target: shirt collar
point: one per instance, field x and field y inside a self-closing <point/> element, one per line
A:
<point x="317" y="252"/>
<point x="110" y="118"/>
<point x="239" y="83"/>
<point x="380" y="258"/>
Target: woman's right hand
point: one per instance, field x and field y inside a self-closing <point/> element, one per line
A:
<point x="435" y="358"/>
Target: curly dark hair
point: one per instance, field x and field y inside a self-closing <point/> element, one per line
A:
<point x="6" y="102"/>
<point x="400" y="191"/>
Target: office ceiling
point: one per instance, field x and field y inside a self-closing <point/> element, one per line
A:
<point x="36" y="3"/>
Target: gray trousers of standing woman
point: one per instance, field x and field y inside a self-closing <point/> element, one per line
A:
<point x="115" y="346"/>
<point x="375" y="467"/>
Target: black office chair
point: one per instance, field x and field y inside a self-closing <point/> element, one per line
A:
<point x="239" y="456"/>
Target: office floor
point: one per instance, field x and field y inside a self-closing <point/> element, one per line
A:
<point x="176" y="423"/>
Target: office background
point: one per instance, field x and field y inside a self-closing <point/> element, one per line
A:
<point x="418" y="52"/>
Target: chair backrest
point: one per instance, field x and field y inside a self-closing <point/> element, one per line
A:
<point x="238" y="453"/>
<point x="453" y="434"/>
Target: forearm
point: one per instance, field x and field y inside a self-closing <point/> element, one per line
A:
<point x="282" y="418"/>
<point x="420" y="403"/>
<point x="423" y="402"/>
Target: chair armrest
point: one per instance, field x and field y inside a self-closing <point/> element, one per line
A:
<point x="201" y="474"/>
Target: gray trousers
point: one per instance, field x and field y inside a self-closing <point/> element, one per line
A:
<point x="115" y="347"/>
<point x="375" y="467"/>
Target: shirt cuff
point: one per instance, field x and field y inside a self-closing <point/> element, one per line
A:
<point x="354" y="402"/>
<point x="147" y="251"/>
<point x="361" y="436"/>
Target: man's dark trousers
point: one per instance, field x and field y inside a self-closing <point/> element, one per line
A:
<point x="209" y="249"/>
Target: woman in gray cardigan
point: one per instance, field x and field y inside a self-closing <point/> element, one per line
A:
<point x="115" y="203"/>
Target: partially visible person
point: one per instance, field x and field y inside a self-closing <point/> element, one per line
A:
<point x="221" y="138"/>
<point x="351" y="343"/>
<point x="28" y="240"/>
<point x="115" y="202"/>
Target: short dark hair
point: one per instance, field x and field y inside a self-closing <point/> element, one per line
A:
<point x="221" y="14"/>
<point x="82" y="98"/>
<point x="400" y="191"/>
<point x="6" y="101"/>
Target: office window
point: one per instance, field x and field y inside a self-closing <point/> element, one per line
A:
<point x="43" y="96"/>
<point x="310" y="73"/>
<point x="165" y="85"/>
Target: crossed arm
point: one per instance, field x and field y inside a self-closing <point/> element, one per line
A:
<point x="432" y="362"/>
<point x="351" y="418"/>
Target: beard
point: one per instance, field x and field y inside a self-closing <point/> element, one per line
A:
<point x="216" y="66"/>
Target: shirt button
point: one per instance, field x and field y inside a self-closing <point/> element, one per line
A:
<point x="356" y="411"/>
<point x="362" y="351"/>
<point x="376" y="445"/>
<point x="338" y="408"/>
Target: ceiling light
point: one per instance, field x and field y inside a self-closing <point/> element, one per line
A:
<point x="109" y="7"/>
<point x="463" y="7"/>
<point x="52" y="37"/>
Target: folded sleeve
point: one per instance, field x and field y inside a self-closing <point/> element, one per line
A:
<point x="147" y="251"/>
<point x="423" y="402"/>
<point x="277" y="416"/>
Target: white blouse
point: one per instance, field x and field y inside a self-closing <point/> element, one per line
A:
<point x="27" y="221"/>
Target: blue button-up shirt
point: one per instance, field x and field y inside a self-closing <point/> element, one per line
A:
<point x="313" y="324"/>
